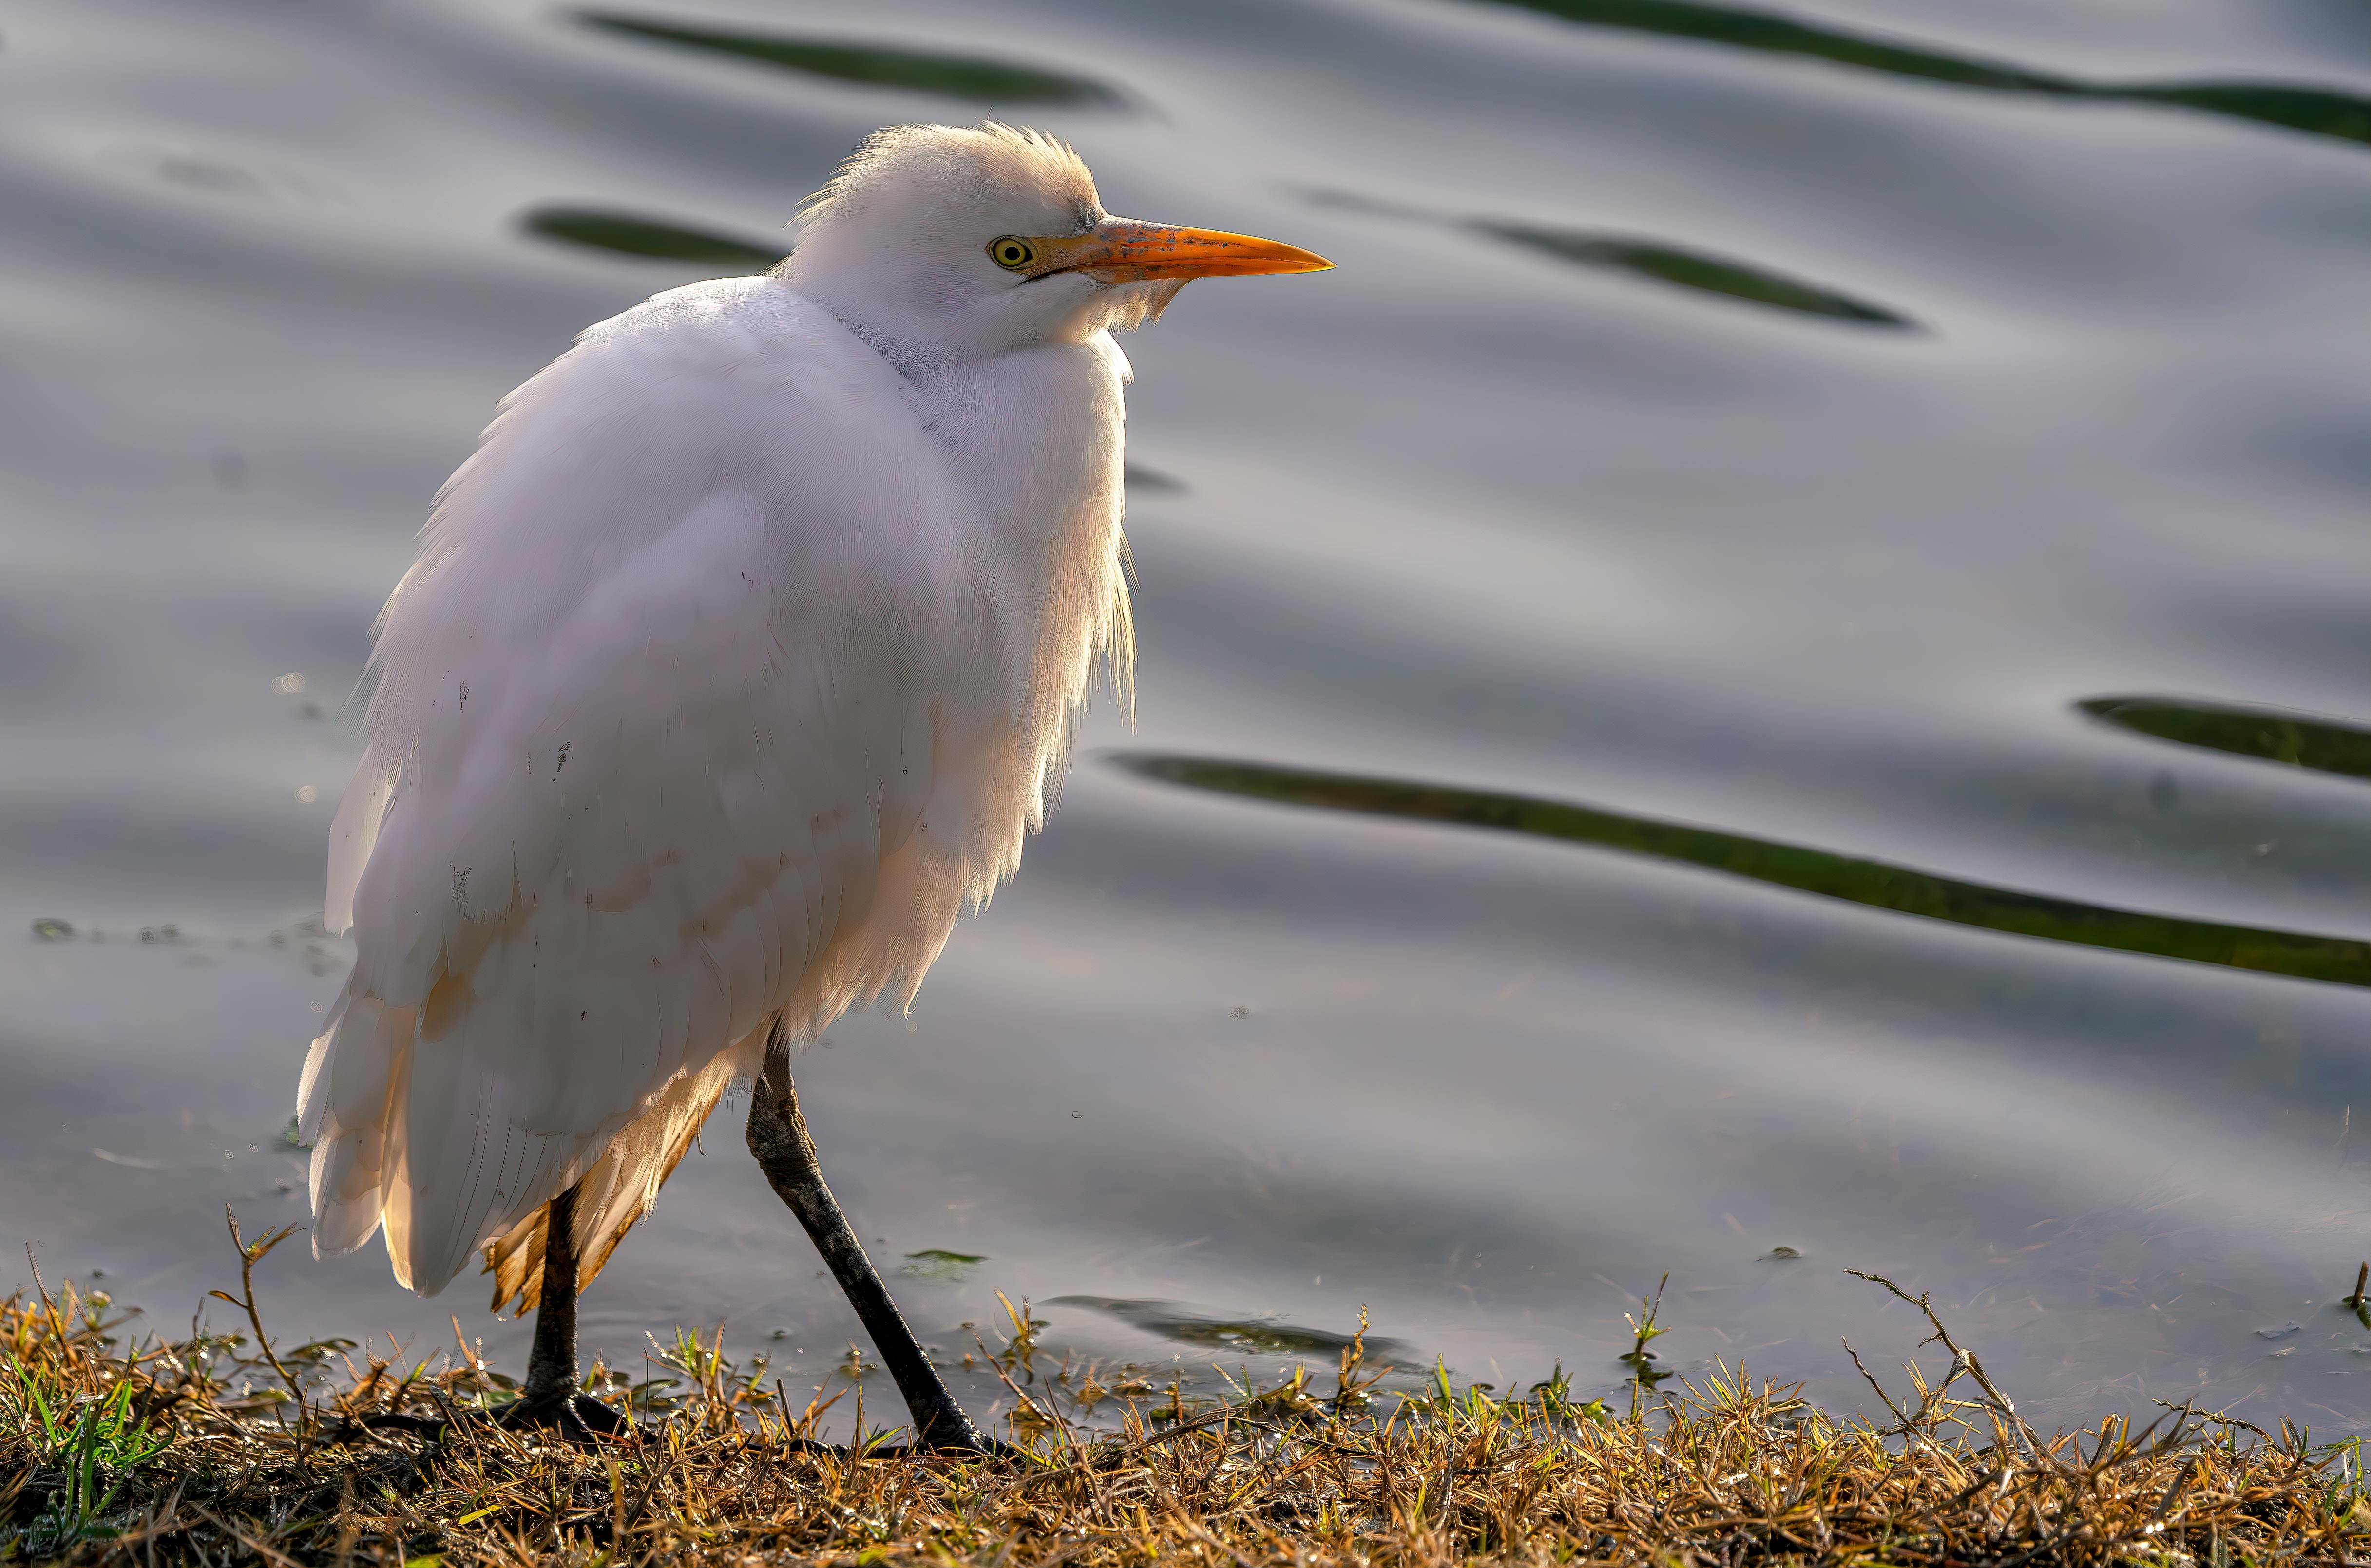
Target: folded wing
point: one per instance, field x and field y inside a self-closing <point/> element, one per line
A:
<point x="652" y="732"/>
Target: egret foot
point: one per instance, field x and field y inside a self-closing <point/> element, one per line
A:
<point x="778" y="1136"/>
<point x="551" y="1400"/>
<point x="580" y="1418"/>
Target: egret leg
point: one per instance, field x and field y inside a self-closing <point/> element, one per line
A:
<point x="778" y="1136"/>
<point x="550" y="1398"/>
<point x="551" y="1365"/>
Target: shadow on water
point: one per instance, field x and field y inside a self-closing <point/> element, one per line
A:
<point x="623" y="234"/>
<point x="2322" y="744"/>
<point x="2317" y="111"/>
<point x="1651" y="260"/>
<point x="1171" y="1322"/>
<point x="2340" y="960"/>
<point x="874" y="64"/>
<point x="1140" y="477"/>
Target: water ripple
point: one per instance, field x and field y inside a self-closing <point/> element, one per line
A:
<point x="2317" y="111"/>
<point x="2340" y="960"/>
<point x="2324" y="746"/>
<point x="628" y="234"/>
<point x="874" y="65"/>
<point x="1692" y="269"/>
<point x="1654" y="260"/>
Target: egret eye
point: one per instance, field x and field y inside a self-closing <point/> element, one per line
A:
<point x="1011" y="252"/>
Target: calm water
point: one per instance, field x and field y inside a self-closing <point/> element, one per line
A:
<point x="1612" y="790"/>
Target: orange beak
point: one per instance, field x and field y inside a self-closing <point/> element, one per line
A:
<point x="1121" y="251"/>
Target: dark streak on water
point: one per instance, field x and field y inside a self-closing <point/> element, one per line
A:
<point x="1657" y="260"/>
<point x="875" y="64"/>
<point x="1899" y="889"/>
<point x="2299" y="740"/>
<point x="625" y="234"/>
<point x="2317" y="111"/>
<point x="1151" y="480"/>
<point x="1171" y="1321"/>
<point x="1692" y="269"/>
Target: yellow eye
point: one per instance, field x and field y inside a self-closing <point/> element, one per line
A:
<point x="1011" y="252"/>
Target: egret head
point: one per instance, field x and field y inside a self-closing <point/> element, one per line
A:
<point x="939" y="242"/>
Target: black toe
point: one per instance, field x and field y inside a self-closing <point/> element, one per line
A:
<point x="579" y="1418"/>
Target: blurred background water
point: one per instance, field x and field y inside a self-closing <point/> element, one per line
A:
<point x="1771" y="677"/>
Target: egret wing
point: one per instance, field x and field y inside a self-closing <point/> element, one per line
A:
<point x="654" y="709"/>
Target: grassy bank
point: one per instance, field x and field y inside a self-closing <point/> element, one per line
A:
<point x="224" y="1448"/>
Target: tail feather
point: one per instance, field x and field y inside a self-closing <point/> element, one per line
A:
<point x="349" y="1105"/>
<point x="362" y="1095"/>
<point x="619" y="1189"/>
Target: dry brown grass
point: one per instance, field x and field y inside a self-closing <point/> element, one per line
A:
<point x="219" y="1450"/>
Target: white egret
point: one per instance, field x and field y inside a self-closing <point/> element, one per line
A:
<point x="736" y="662"/>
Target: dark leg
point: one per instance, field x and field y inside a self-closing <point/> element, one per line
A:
<point x="550" y="1398"/>
<point x="550" y="1401"/>
<point x="552" y="1365"/>
<point x="778" y="1136"/>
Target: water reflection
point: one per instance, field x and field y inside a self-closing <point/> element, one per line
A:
<point x="1171" y="1322"/>
<point x="1653" y="260"/>
<point x="625" y="234"/>
<point x="875" y="64"/>
<point x="1830" y="875"/>
<point x="2315" y="110"/>
<point x="2323" y="745"/>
